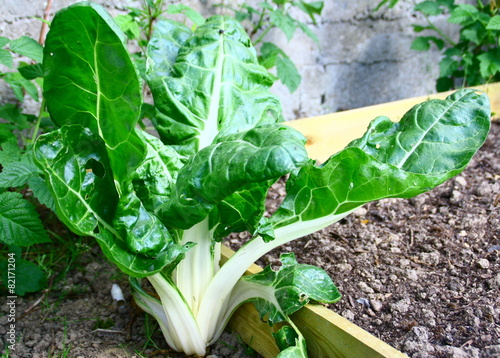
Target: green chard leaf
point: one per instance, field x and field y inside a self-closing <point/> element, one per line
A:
<point x="93" y="161"/>
<point x="102" y="77"/>
<point x="215" y="84"/>
<point x="79" y="176"/>
<point x="214" y="173"/>
<point x="278" y="294"/>
<point x="240" y="211"/>
<point x="392" y="159"/>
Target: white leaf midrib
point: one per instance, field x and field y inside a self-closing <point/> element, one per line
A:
<point x="211" y="129"/>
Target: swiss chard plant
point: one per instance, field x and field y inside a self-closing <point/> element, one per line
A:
<point x="160" y="206"/>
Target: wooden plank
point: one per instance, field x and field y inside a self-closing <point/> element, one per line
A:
<point x="328" y="334"/>
<point x="330" y="133"/>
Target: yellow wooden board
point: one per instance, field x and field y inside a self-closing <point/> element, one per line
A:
<point x="327" y="134"/>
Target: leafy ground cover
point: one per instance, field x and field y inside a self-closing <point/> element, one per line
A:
<point x="422" y="274"/>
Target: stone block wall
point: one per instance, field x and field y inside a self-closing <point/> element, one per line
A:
<point x="364" y="58"/>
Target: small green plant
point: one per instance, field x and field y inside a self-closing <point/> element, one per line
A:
<point x="269" y="14"/>
<point x="21" y="185"/>
<point x="160" y="206"/>
<point x="472" y="60"/>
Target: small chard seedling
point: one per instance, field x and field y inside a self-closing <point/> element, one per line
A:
<point x="160" y="207"/>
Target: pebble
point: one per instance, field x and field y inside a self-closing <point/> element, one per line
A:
<point x="456" y="197"/>
<point x="412" y="275"/>
<point x="461" y="180"/>
<point x="483" y="263"/>
<point x="401" y="306"/>
<point x="348" y="314"/>
<point x="430" y="258"/>
<point x="360" y="212"/>
<point x="376" y="305"/>
<point x="363" y="286"/>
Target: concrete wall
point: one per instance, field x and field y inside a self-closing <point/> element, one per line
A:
<point x="364" y="59"/>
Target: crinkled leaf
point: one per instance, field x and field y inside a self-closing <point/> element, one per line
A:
<point x="489" y="63"/>
<point x="214" y="85"/>
<point x="154" y="179"/>
<point x="142" y="230"/>
<point x="494" y="23"/>
<point x="268" y="54"/>
<point x="464" y="14"/>
<point x="196" y="18"/>
<point x="278" y="294"/>
<point x="6" y="58"/>
<point x="259" y="154"/>
<point x="86" y="58"/>
<point x="241" y="211"/>
<point x="429" y="8"/>
<point x="129" y="26"/>
<point x="284" y="22"/>
<point x="288" y="73"/>
<point x="77" y="171"/>
<point x="19" y="221"/>
<point x="17" y="174"/>
<point x="42" y="192"/>
<point x="423" y="43"/>
<point x="433" y="142"/>
<point x="311" y="8"/>
<point x="163" y="48"/>
<point x="28" y="47"/>
<point x="79" y="175"/>
<point x="30" y="72"/>
<point x="19" y="84"/>
<point x="449" y="131"/>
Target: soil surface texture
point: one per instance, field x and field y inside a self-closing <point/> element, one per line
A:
<point x="421" y="274"/>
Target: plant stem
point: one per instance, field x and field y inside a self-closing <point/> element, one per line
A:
<point x="258" y="25"/>
<point x="438" y="30"/>
<point x="37" y="124"/>
<point x="43" y="30"/>
<point x="264" y="33"/>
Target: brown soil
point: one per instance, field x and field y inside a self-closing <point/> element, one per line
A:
<point x="422" y="275"/>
